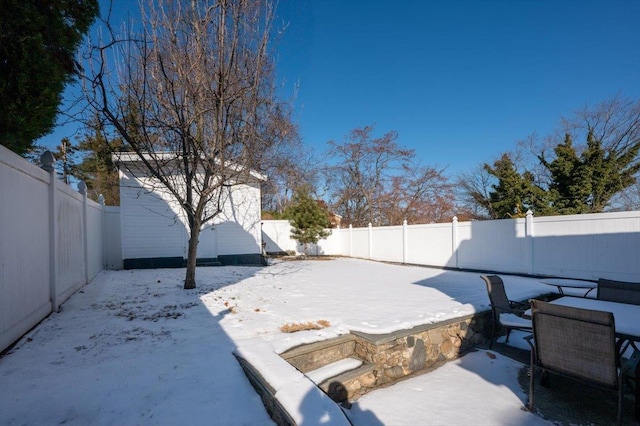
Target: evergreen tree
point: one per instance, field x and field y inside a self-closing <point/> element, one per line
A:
<point x="568" y="189"/>
<point x="65" y="154"/>
<point x="607" y="171"/>
<point x="38" y="40"/>
<point x="97" y="168"/>
<point x="586" y="183"/>
<point x="514" y="193"/>
<point x="308" y="218"/>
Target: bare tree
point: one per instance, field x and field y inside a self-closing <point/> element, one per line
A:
<point x="288" y="170"/>
<point x="418" y="195"/>
<point x="376" y="181"/>
<point x="194" y="97"/>
<point x="473" y="190"/>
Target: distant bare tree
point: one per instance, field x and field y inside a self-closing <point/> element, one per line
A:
<point x="473" y="191"/>
<point x="194" y="97"/>
<point x="418" y="195"/>
<point x="374" y="180"/>
<point x="288" y="170"/>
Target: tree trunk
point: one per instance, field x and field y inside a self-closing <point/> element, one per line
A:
<point x="190" y="278"/>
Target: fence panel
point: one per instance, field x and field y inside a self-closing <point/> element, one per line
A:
<point x="24" y="246"/>
<point x="70" y="265"/>
<point x="112" y="238"/>
<point x="276" y="236"/>
<point x="95" y="239"/>
<point x="588" y="246"/>
<point x="331" y="244"/>
<point x="51" y="244"/>
<point x="387" y="243"/>
<point x="494" y="245"/>
<point x="360" y="242"/>
<point x="430" y="245"/>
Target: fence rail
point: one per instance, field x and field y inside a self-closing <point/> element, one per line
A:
<point x="588" y="246"/>
<point x="52" y="242"/>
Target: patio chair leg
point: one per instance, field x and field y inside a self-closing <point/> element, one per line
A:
<point x="531" y="384"/>
<point x="637" y="387"/>
<point x="620" y="396"/>
<point x="506" y="340"/>
<point x="494" y="333"/>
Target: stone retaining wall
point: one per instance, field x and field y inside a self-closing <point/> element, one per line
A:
<point x="397" y="355"/>
<point x="408" y="351"/>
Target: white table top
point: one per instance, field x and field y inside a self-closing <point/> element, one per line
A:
<point x="626" y="316"/>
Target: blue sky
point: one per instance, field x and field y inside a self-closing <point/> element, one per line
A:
<point x="460" y="81"/>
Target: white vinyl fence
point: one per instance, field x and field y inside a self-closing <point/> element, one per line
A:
<point x="53" y="241"/>
<point x="589" y="246"/>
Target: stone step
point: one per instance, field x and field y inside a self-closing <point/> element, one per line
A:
<point x="313" y="356"/>
<point x="334" y="369"/>
<point x="350" y="385"/>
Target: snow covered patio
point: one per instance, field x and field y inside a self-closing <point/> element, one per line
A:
<point x="133" y="347"/>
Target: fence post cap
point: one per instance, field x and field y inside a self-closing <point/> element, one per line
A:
<point x="47" y="159"/>
<point x="101" y="200"/>
<point x="82" y="187"/>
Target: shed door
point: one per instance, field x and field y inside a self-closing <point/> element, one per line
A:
<point x="207" y="243"/>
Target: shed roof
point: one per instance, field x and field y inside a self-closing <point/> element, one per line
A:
<point x="134" y="157"/>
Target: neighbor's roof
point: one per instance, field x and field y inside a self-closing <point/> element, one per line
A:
<point x="132" y="157"/>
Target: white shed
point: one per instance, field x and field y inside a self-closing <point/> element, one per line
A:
<point x="155" y="231"/>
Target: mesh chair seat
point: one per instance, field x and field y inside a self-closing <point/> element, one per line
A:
<point x="514" y="321"/>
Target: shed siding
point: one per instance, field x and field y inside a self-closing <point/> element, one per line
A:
<point x="153" y="225"/>
<point x="238" y="226"/>
<point x="150" y="224"/>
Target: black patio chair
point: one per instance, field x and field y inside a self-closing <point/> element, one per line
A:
<point x="507" y="314"/>
<point x="619" y="291"/>
<point x="579" y="344"/>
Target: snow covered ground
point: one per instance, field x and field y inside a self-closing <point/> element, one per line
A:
<point x="133" y="347"/>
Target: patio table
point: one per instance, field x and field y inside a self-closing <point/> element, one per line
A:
<point x="562" y="283"/>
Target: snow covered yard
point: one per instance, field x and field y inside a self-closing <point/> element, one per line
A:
<point x="133" y="347"/>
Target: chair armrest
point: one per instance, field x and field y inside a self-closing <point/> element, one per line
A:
<point x="529" y="340"/>
<point x="518" y="308"/>
<point x="519" y="305"/>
